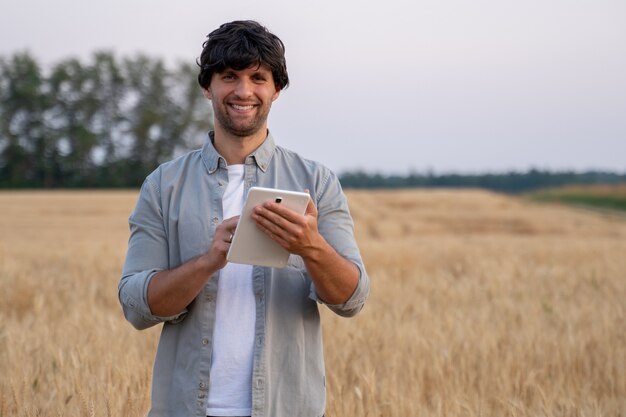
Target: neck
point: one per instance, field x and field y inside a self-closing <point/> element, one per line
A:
<point x="235" y="149"/>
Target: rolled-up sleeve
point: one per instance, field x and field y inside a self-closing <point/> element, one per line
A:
<point x="336" y="225"/>
<point x="356" y="301"/>
<point x="147" y="254"/>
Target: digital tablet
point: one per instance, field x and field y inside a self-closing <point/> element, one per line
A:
<point x="250" y="245"/>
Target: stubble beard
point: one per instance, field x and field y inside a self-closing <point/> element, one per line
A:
<point x="241" y="129"/>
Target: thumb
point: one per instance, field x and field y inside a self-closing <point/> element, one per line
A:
<point x="311" y="210"/>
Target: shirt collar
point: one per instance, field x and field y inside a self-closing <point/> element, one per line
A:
<point x="261" y="155"/>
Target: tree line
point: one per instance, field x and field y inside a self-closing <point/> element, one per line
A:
<point x="102" y="122"/>
<point x="510" y="182"/>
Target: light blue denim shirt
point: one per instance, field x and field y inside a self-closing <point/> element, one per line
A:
<point x="177" y="212"/>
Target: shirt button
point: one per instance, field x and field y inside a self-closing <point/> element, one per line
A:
<point x="202" y="385"/>
<point x="220" y="183"/>
<point x="209" y="297"/>
<point x="215" y="220"/>
<point x="205" y="341"/>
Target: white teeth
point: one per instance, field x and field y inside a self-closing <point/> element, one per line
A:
<point x="238" y="107"/>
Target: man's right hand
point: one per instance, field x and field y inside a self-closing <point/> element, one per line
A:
<point x="216" y="255"/>
<point x="170" y="291"/>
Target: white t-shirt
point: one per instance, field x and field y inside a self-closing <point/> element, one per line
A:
<point x="230" y="387"/>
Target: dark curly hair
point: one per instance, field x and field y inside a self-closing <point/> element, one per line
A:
<point x="240" y="45"/>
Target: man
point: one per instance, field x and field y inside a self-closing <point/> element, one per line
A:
<point x="239" y="340"/>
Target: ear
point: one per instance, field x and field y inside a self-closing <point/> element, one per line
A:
<point x="207" y="93"/>
<point x="276" y="94"/>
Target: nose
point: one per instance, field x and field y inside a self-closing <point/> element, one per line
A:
<point x="243" y="89"/>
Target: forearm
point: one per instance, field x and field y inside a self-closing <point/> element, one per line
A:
<point x="170" y="291"/>
<point x="335" y="277"/>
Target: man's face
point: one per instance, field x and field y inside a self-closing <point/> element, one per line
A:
<point x="242" y="99"/>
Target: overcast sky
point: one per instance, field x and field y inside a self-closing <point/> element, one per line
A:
<point x="393" y="86"/>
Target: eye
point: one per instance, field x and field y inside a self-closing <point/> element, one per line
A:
<point x="228" y="76"/>
<point x="259" y="78"/>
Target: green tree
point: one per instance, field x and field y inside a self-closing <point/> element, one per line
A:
<point x="27" y="158"/>
<point x="72" y="119"/>
<point x="196" y="118"/>
<point x="163" y="116"/>
<point x="109" y="92"/>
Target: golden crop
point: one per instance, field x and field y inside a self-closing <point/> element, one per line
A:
<point x="481" y="305"/>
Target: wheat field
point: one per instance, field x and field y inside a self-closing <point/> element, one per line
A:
<point x="481" y="305"/>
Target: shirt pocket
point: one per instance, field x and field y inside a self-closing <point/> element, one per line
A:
<point x="194" y="234"/>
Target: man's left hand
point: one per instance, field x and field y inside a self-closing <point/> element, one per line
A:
<point x="296" y="233"/>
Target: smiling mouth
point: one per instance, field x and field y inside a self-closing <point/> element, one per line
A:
<point x="242" y="108"/>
